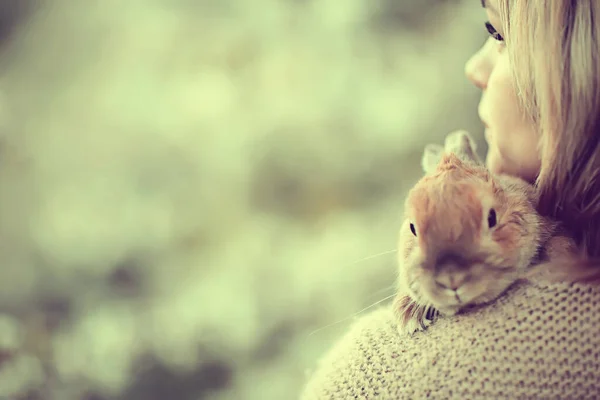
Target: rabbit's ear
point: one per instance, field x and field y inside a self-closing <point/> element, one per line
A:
<point x="462" y="144"/>
<point x="432" y="156"/>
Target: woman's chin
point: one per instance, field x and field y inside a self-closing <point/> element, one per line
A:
<point x="488" y="135"/>
<point x="493" y="162"/>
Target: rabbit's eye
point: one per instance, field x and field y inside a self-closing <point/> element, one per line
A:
<point x="492" y="218"/>
<point x="413" y="230"/>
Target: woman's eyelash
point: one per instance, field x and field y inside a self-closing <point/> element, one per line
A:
<point x="493" y="32"/>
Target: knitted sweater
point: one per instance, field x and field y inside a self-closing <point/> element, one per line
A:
<point x="535" y="342"/>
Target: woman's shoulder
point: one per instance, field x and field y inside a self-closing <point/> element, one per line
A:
<point x="537" y="340"/>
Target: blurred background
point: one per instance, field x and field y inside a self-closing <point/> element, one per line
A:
<point x="198" y="197"/>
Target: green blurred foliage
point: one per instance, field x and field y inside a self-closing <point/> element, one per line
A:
<point x="192" y="190"/>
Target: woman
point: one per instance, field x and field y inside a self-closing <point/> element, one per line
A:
<point x="540" y="77"/>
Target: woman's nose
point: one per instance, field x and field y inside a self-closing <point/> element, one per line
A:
<point x="479" y="66"/>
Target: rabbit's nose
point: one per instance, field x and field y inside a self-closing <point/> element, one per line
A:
<point x="450" y="259"/>
<point x="451" y="279"/>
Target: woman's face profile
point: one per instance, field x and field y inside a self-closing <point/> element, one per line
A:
<point x="512" y="139"/>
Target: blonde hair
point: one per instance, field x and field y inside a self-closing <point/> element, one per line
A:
<point x="554" y="48"/>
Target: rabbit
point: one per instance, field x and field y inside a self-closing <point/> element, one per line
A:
<point x="467" y="235"/>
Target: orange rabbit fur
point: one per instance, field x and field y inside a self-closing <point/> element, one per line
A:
<point x="468" y="235"/>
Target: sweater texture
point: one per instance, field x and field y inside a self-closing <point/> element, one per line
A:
<point x="538" y="341"/>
